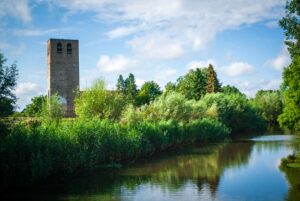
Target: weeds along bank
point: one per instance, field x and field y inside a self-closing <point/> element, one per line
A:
<point x="36" y="152"/>
<point x="38" y="149"/>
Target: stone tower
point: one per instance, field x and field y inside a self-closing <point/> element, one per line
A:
<point x="63" y="71"/>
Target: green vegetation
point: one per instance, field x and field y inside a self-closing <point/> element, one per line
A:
<point x="8" y="82"/>
<point x="148" y="92"/>
<point x="290" y="118"/>
<point x="212" y="85"/>
<point x="50" y="149"/>
<point x="230" y="90"/>
<point x="119" y="126"/>
<point x="193" y="84"/>
<point x="35" y="108"/>
<point x="98" y="102"/>
<point x="269" y="104"/>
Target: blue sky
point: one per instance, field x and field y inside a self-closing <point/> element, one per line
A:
<point x="156" y="40"/>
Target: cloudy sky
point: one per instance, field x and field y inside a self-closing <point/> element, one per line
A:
<point x="156" y="40"/>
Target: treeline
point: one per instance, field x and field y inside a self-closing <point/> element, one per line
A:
<point x="196" y="87"/>
<point x="118" y="126"/>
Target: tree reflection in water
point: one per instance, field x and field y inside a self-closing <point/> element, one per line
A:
<point x="195" y="170"/>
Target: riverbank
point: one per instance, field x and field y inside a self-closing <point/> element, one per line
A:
<point x="292" y="161"/>
<point x="33" y="152"/>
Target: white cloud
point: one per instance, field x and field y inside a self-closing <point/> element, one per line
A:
<point x="282" y="60"/>
<point x="26" y="88"/>
<point x="238" y="68"/>
<point x="116" y="64"/>
<point x="250" y="88"/>
<point x="14" y="50"/>
<point x="200" y="64"/>
<point x="139" y="82"/>
<point x="164" y="75"/>
<point x="25" y="91"/>
<point x="156" y="46"/>
<point x="40" y="32"/>
<point x="121" y="31"/>
<point x="16" y="8"/>
<point x="176" y="25"/>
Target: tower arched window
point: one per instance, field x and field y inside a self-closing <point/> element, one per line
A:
<point x="59" y="48"/>
<point x="69" y="48"/>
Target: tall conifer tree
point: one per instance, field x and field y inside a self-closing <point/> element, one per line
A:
<point x="213" y="85"/>
<point x="121" y="84"/>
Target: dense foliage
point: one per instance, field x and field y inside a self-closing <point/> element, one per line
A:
<point x="149" y="91"/>
<point x="290" y="118"/>
<point x="290" y="23"/>
<point x="230" y="90"/>
<point x="96" y="101"/>
<point x="118" y="126"/>
<point x="291" y="75"/>
<point x="233" y="110"/>
<point x="8" y="82"/>
<point x="82" y="145"/>
<point x="291" y="113"/>
<point x="35" y="108"/>
<point x="193" y="84"/>
<point x="212" y="85"/>
<point x="269" y="104"/>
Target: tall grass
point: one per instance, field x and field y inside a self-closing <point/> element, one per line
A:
<point x="30" y="153"/>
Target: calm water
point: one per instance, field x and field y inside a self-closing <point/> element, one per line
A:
<point x="241" y="170"/>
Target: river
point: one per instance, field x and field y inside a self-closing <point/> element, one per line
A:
<point x="241" y="170"/>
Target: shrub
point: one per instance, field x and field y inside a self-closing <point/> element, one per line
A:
<point x="235" y="111"/>
<point x="168" y="106"/>
<point x="97" y="101"/>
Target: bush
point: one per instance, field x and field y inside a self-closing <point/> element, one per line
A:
<point x="168" y="106"/>
<point x="269" y="104"/>
<point x="99" y="102"/>
<point x="208" y="130"/>
<point x="235" y="111"/>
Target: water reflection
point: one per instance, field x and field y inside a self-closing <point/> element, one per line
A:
<point x="293" y="176"/>
<point x="240" y="170"/>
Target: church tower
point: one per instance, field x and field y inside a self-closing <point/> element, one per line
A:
<point x="63" y="71"/>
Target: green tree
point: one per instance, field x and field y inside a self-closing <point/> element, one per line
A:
<point x="291" y="75"/>
<point x="35" y="108"/>
<point x="193" y="84"/>
<point x="213" y="85"/>
<point x="131" y="88"/>
<point x="170" y="87"/>
<point x="8" y="81"/>
<point x="290" y="117"/>
<point x="52" y="109"/>
<point x="269" y="104"/>
<point x="97" y="101"/>
<point x="291" y="25"/>
<point x="228" y="89"/>
<point x="235" y="111"/>
<point x="148" y="92"/>
<point x="121" y="84"/>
